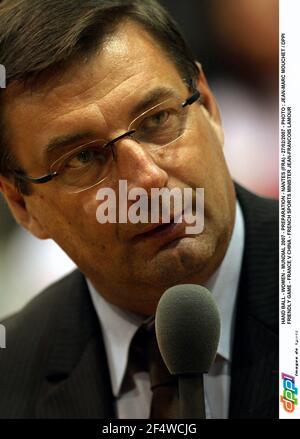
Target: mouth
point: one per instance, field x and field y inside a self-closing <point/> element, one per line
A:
<point x="163" y="231"/>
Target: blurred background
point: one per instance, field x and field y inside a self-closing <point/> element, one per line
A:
<point x="236" y="42"/>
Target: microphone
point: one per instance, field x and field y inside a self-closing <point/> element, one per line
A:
<point x="187" y="325"/>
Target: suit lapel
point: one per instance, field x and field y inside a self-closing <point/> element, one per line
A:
<point x="84" y="393"/>
<point x="254" y="389"/>
<point x="76" y="381"/>
<point x="254" y="378"/>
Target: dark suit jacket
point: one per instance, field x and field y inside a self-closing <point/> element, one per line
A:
<point x="55" y="364"/>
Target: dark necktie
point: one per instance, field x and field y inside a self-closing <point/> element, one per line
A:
<point x="144" y="354"/>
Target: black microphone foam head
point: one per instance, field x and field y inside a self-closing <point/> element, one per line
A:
<point x="187" y="325"/>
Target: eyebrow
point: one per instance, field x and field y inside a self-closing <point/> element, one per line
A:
<point x="150" y="99"/>
<point x="66" y="140"/>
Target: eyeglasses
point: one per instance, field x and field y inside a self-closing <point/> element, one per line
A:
<point x="88" y="165"/>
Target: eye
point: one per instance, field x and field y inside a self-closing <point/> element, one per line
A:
<point x="156" y="120"/>
<point x="88" y="157"/>
<point x="85" y="156"/>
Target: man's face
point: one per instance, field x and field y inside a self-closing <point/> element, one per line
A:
<point x="98" y="97"/>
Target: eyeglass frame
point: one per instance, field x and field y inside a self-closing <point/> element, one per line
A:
<point x="48" y="177"/>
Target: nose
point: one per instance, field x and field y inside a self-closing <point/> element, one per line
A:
<point x="136" y="165"/>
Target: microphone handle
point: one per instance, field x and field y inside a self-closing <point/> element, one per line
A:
<point x="191" y="396"/>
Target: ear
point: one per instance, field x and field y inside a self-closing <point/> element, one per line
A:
<point x="19" y="207"/>
<point x="210" y="106"/>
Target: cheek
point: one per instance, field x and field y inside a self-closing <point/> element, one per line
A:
<point x="89" y="232"/>
<point x="64" y="215"/>
<point x="205" y="167"/>
<point x="73" y="226"/>
<point x="199" y="160"/>
<point x="88" y="208"/>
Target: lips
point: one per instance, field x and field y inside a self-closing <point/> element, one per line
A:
<point x="158" y="229"/>
<point x="163" y="231"/>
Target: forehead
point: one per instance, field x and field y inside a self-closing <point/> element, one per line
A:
<point x="130" y="64"/>
<point x="89" y="96"/>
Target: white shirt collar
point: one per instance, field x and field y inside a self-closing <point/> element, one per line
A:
<point x="119" y="326"/>
<point x="224" y="284"/>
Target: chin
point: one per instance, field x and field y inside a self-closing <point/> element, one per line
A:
<point x="182" y="261"/>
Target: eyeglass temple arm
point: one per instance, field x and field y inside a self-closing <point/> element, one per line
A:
<point x="191" y="99"/>
<point x="36" y="180"/>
